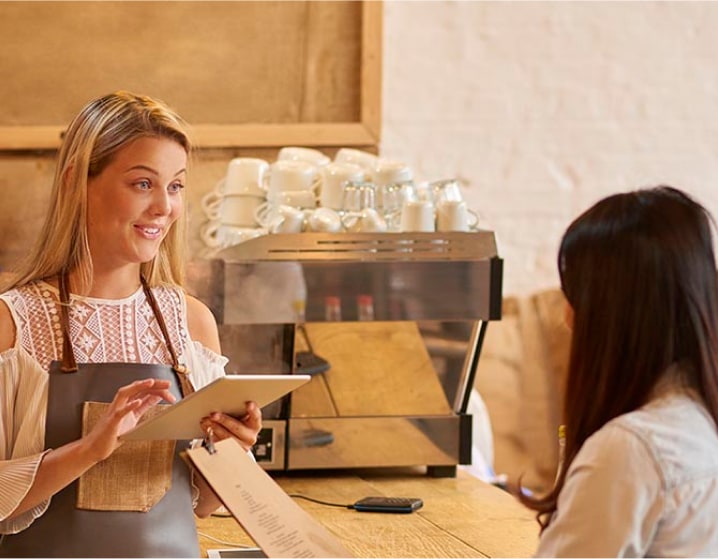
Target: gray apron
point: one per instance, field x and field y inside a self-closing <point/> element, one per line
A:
<point x="168" y="529"/>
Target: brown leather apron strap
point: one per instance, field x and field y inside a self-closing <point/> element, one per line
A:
<point x="180" y="369"/>
<point x="167" y="529"/>
<point x="69" y="365"/>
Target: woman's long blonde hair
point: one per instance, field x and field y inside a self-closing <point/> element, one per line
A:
<point x="102" y="128"/>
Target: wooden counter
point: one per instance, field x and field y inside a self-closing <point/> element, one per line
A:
<point x="461" y="517"/>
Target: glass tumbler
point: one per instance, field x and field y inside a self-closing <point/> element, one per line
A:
<point x="358" y="196"/>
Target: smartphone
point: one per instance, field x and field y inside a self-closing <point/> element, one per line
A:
<point x="388" y="504"/>
<point x="235" y="553"/>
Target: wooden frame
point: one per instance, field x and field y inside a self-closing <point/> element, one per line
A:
<point x="364" y="132"/>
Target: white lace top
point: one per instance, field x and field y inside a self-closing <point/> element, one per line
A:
<point x="122" y="330"/>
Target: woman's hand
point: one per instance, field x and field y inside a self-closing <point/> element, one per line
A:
<point x="126" y="409"/>
<point x="245" y="429"/>
<point x="61" y="466"/>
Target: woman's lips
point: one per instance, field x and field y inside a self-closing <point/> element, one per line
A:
<point x="149" y="231"/>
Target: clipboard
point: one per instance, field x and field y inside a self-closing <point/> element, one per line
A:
<point x="228" y="394"/>
<point x="278" y="525"/>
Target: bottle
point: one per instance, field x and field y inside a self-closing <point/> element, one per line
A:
<point x="332" y="308"/>
<point x="365" y="307"/>
<point x="299" y="307"/>
<point x="299" y="302"/>
<point x="561" y="450"/>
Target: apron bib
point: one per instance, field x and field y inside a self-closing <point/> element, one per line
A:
<point x="167" y="529"/>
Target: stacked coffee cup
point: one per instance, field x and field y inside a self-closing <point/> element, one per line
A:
<point x="231" y="206"/>
<point x="304" y="190"/>
<point x="293" y="187"/>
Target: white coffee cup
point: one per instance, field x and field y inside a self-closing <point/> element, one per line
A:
<point x="288" y="174"/>
<point x="238" y="210"/>
<point x="286" y="219"/>
<point x="367" y="220"/>
<point x="387" y="171"/>
<point x="324" y="220"/>
<point x="301" y="199"/>
<point x="245" y="175"/>
<point x="364" y="159"/>
<point x="211" y="201"/>
<point x="296" y="198"/>
<point x="217" y="235"/>
<point x="417" y="215"/>
<point x="454" y="215"/>
<point x="334" y="178"/>
<point x="310" y="155"/>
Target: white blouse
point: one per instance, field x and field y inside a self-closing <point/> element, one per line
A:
<point x="644" y="485"/>
<point x="122" y="330"/>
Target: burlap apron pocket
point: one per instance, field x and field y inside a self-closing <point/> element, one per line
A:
<point x="134" y="478"/>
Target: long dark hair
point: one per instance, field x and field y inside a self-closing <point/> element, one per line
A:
<point x="639" y="271"/>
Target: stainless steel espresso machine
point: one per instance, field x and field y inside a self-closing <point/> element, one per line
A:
<point x="390" y="325"/>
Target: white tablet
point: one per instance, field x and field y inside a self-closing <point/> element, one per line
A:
<point x="226" y="394"/>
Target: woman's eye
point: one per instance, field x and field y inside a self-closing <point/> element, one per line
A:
<point x="143" y="184"/>
<point x="175" y="187"/>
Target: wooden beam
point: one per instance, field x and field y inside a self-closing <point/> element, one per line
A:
<point x="371" y="68"/>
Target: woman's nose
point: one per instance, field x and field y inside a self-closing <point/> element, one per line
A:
<point x="161" y="202"/>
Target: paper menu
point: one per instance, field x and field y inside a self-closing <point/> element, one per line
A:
<point x="272" y="519"/>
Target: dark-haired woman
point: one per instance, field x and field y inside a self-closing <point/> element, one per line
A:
<point x="640" y="469"/>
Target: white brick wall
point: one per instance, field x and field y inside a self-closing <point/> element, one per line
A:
<point x="544" y="107"/>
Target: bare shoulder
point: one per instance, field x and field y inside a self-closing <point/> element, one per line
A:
<point x="7" y="327"/>
<point x="202" y="324"/>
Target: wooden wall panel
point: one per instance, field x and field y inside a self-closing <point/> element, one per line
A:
<point x="242" y="73"/>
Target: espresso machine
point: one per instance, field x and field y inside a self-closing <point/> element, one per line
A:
<point x="389" y="325"/>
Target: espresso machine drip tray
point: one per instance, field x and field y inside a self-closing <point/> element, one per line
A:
<point x="390" y="324"/>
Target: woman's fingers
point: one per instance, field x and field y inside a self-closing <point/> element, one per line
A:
<point x="140" y="388"/>
<point x="147" y="402"/>
<point x="244" y="429"/>
<point x="143" y="390"/>
<point x="253" y="417"/>
<point x="132" y="401"/>
<point x="224" y="426"/>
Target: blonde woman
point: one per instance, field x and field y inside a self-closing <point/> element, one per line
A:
<point x="95" y="331"/>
